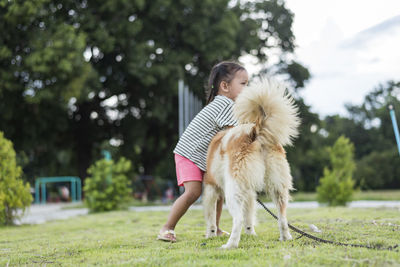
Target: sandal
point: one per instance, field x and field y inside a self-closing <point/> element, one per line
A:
<point x="223" y="233"/>
<point x="168" y="235"/>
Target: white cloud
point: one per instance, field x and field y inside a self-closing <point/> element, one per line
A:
<point x="349" y="47"/>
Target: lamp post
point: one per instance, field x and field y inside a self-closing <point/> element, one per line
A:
<point x="107" y="156"/>
<point x="395" y="127"/>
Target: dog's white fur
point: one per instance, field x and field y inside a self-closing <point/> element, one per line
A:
<point x="249" y="158"/>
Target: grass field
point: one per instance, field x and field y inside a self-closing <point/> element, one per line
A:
<point x="129" y="239"/>
<point x="296" y="196"/>
<point x="358" y="195"/>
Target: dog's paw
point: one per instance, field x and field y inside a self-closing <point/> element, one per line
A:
<point x="287" y="236"/>
<point x="250" y="231"/>
<point x="211" y="234"/>
<point x="228" y="246"/>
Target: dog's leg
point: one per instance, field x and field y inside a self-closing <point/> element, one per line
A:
<point x="281" y="200"/>
<point x="250" y="216"/>
<point x="235" y="207"/>
<point x="279" y="182"/>
<point x="210" y="197"/>
<point x="283" y="224"/>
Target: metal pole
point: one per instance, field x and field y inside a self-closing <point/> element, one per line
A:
<point x="395" y="127"/>
<point x="37" y="191"/>
<point x="180" y="95"/>
<point x="74" y="191"/>
<point x="190" y="105"/>
<point x="186" y="106"/>
<point x="78" y="182"/>
<point x="107" y="156"/>
<point x="195" y="106"/>
<point x="198" y="106"/>
<point x="43" y="192"/>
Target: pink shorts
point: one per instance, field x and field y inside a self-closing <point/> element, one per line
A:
<point x="186" y="170"/>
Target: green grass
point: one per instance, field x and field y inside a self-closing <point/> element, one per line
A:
<point x="296" y="196"/>
<point x="129" y="239"/>
<point x="358" y="195"/>
<point x="124" y="206"/>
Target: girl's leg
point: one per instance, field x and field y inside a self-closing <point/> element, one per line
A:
<point x="182" y="203"/>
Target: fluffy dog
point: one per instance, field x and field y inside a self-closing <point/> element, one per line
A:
<point x="249" y="158"/>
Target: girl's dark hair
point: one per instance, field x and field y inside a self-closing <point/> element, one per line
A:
<point x="223" y="71"/>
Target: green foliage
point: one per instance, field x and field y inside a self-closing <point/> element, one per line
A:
<point x="370" y="130"/>
<point x="14" y="194"/>
<point x="298" y="73"/>
<point x="307" y="157"/>
<point x="336" y="186"/>
<point x="379" y="169"/>
<point x="61" y="61"/>
<point x="108" y="185"/>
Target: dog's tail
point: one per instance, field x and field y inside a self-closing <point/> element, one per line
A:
<point x="271" y="108"/>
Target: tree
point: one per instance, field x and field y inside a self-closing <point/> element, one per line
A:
<point x="369" y="127"/>
<point x="380" y="167"/>
<point x="14" y="194"/>
<point x="336" y="186"/>
<point x="307" y="157"/>
<point x="77" y="74"/>
<point x="379" y="170"/>
<point x="41" y="68"/>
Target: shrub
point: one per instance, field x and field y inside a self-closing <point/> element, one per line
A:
<point x="14" y="194"/>
<point x="378" y="170"/>
<point x="336" y="186"/>
<point x="108" y="186"/>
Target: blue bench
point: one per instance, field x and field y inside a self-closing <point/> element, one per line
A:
<point x="76" y="187"/>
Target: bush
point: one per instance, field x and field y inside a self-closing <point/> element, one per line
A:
<point x="379" y="170"/>
<point x="14" y="194"/>
<point x="336" y="186"/>
<point x="108" y="186"/>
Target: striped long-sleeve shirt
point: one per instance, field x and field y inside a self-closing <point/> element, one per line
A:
<point x="194" y="142"/>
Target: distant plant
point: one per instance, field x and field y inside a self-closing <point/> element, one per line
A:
<point x="369" y="176"/>
<point x="107" y="187"/>
<point x="14" y="194"/>
<point x="337" y="185"/>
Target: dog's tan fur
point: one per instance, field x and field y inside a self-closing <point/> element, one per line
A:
<point x="250" y="157"/>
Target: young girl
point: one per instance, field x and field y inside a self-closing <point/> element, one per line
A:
<point x="226" y="81"/>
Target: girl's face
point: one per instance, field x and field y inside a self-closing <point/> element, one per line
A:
<point x="234" y="87"/>
<point x="237" y="84"/>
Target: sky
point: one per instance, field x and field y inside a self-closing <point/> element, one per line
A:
<point x="349" y="46"/>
